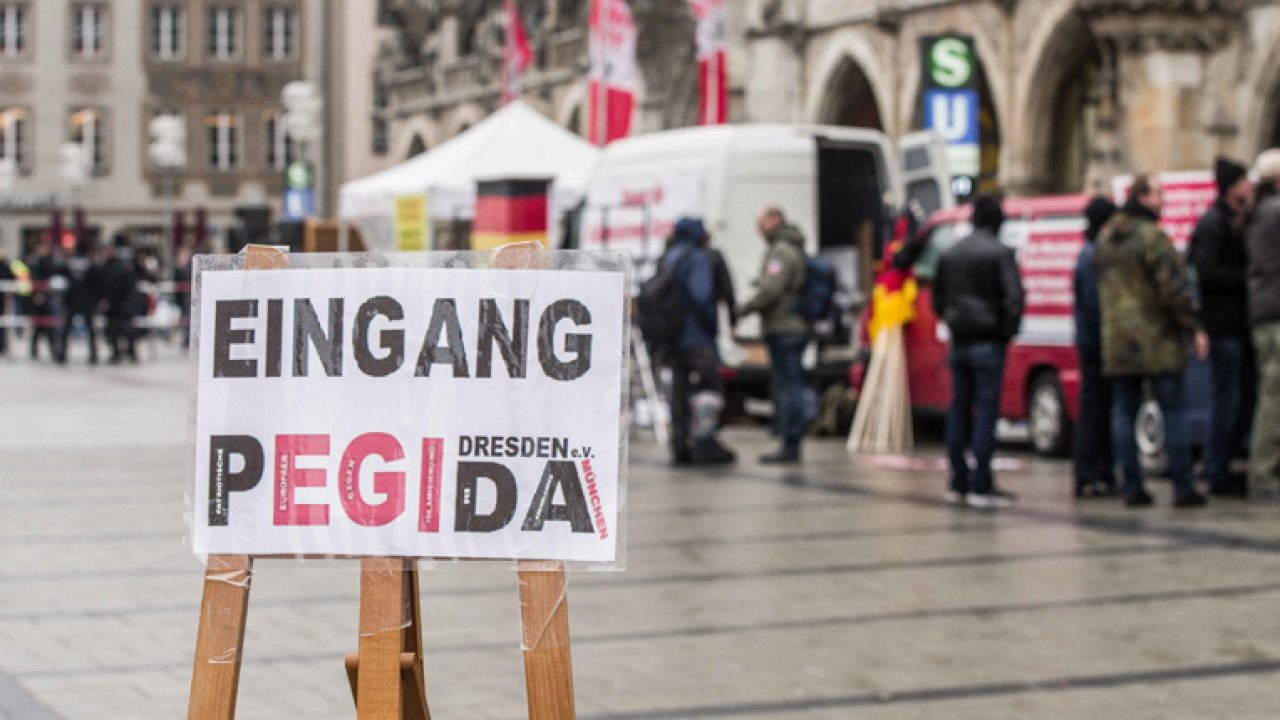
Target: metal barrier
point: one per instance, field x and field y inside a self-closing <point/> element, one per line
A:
<point x="162" y="312"/>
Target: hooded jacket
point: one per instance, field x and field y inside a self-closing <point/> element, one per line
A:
<point x="780" y="283"/>
<point x="696" y="272"/>
<point x="1148" y="313"/>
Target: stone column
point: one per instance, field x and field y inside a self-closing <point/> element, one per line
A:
<point x="1167" y="118"/>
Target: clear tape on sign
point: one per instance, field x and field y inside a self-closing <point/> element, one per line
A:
<point x="440" y="406"/>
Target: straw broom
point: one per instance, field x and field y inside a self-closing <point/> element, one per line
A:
<point x="882" y="422"/>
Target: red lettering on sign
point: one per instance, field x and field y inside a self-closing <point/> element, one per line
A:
<point x="432" y="462"/>
<point x="390" y="484"/>
<point x="289" y="477"/>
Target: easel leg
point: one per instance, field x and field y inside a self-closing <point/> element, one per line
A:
<point x="544" y="617"/>
<point x="215" y="680"/>
<point x="388" y="680"/>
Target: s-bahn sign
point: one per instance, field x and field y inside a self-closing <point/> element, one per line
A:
<point x="949" y="97"/>
<point x="409" y="411"/>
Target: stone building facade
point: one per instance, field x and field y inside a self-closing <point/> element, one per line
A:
<point x="95" y="73"/>
<point x="1073" y="90"/>
<point x="1078" y="89"/>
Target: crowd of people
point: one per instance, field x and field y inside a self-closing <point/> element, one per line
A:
<point x="1141" y="310"/>
<point x="53" y="298"/>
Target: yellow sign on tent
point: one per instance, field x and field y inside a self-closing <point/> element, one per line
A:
<point x="411" y="223"/>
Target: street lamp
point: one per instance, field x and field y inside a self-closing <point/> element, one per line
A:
<point x="73" y="167"/>
<point x="168" y="152"/>
<point x="303" y="124"/>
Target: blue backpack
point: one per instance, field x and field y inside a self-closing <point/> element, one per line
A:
<point x="819" y="290"/>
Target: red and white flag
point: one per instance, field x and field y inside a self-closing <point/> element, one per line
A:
<point x="517" y="54"/>
<point x="712" y="73"/>
<point x="612" y="80"/>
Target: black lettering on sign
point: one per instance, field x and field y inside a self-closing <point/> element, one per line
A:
<point x="391" y="340"/>
<point x="466" y="519"/>
<point x="306" y="327"/>
<point x="275" y="336"/>
<point x="514" y="347"/>
<point x="563" y="475"/>
<point x="223" y="482"/>
<point x="444" y="319"/>
<point x="224" y="337"/>
<point x="577" y="344"/>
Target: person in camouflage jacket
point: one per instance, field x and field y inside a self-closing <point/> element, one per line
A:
<point x="1148" y="316"/>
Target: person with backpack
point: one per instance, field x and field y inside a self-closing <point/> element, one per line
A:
<point x="681" y="299"/>
<point x="977" y="292"/>
<point x="779" y="301"/>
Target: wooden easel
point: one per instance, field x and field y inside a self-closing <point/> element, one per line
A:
<point x="386" y="675"/>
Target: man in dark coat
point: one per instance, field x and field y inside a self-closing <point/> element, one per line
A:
<point x="1148" y="317"/>
<point x="1217" y="253"/>
<point x="48" y="282"/>
<point x="118" y="283"/>
<point x="977" y="292"/>
<point x="1092" y="459"/>
<point x="697" y="390"/>
<point x="83" y="286"/>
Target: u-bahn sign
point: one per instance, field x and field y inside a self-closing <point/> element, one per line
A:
<point x="949" y="96"/>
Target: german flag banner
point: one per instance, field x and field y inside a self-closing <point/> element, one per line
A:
<point x="510" y="211"/>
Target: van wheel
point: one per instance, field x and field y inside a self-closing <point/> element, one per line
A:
<point x="1149" y="433"/>
<point x="1047" y="419"/>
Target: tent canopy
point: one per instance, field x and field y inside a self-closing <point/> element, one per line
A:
<point x="514" y="143"/>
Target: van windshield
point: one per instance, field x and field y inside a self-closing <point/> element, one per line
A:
<point x="940" y="239"/>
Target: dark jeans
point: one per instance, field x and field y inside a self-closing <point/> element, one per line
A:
<point x="1091" y="455"/>
<point x="1172" y="398"/>
<point x="69" y="323"/>
<point x="120" y="336"/>
<point x="46" y="322"/>
<point x="693" y="371"/>
<point x="786" y="351"/>
<point x="977" y="374"/>
<point x="1235" y="382"/>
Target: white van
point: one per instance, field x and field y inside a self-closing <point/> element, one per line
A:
<point x="840" y="186"/>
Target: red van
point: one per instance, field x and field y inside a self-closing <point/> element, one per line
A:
<point x="1042" y="377"/>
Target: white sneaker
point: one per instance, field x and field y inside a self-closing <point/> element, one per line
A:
<point x="992" y="499"/>
<point x="955" y="497"/>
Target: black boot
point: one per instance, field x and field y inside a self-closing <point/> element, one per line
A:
<point x="709" y="451"/>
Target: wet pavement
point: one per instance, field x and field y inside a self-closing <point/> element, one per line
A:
<point x="838" y="589"/>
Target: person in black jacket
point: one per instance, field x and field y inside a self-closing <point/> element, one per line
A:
<point x="6" y="276"/>
<point x="117" y="283"/>
<point x="83" y="285"/>
<point x="1217" y="252"/>
<point x="48" y="281"/>
<point x="978" y="293"/>
<point x="1091" y="456"/>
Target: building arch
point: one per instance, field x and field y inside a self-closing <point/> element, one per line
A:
<point x="1049" y="144"/>
<point x="464" y="117"/>
<point x="572" y="113"/>
<point x="419" y="129"/>
<point x="849" y="86"/>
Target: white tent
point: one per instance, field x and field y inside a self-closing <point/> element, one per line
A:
<point x="515" y="143"/>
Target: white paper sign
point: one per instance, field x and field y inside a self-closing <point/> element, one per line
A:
<point x="409" y="412"/>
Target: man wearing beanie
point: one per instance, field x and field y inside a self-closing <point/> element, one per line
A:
<point x="977" y="292"/>
<point x="1263" y="244"/>
<point x="1148" y="316"/>
<point x="1217" y="253"/>
<point x="1091" y="456"/>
